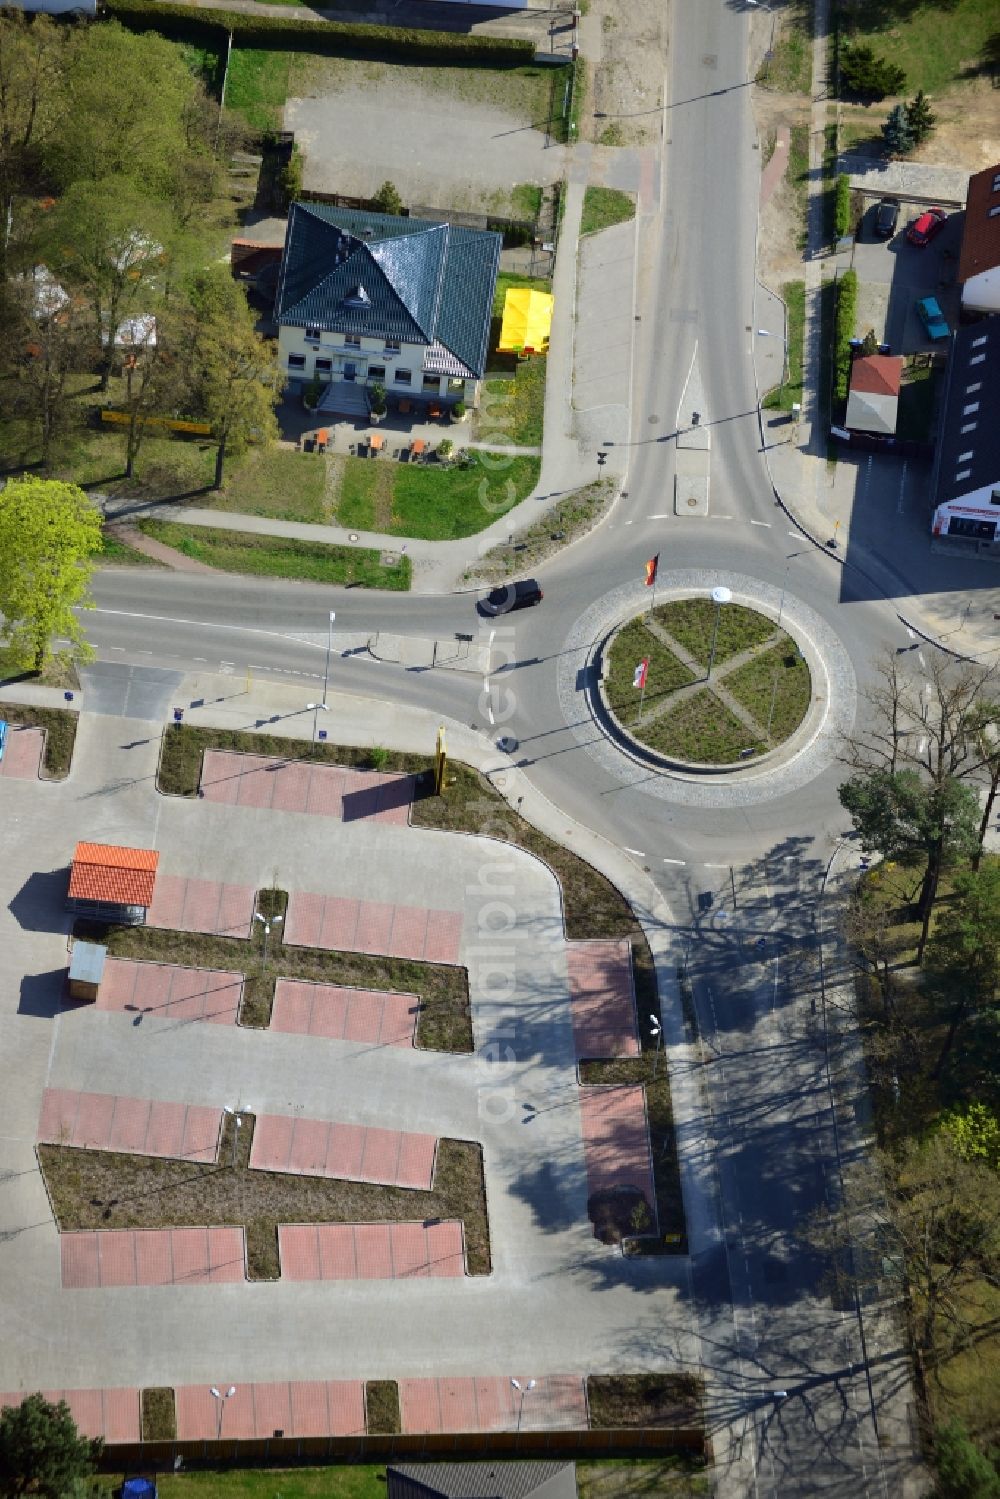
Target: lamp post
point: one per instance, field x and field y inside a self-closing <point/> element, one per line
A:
<point x="522" y="1390"/>
<point x="217" y="1393"/>
<point x="267" y="923"/>
<point x="237" y="1122"/>
<point x="657" y="1031"/>
<point x="720" y="596"/>
<point x="329" y="647"/>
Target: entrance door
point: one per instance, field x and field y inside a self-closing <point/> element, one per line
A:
<point x="350" y="371"/>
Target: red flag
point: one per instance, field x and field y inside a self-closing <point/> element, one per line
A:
<point x="639" y="676"/>
<point x="652" y="567"/>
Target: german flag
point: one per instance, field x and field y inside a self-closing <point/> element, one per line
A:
<point x="652" y="567"/>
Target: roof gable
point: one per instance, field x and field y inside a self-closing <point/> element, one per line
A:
<point x="403" y="279"/>
<point x="106" y="872"/>
<point x="981" y="232"/>
<point x="877" y="374"/>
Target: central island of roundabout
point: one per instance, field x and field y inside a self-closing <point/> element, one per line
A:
<point x="705" y="682"/>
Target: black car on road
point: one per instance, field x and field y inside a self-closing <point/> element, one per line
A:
<point x="519" y="595"/>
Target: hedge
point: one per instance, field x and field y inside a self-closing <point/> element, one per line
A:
<point x="842" y="206"/>
<point x="337" y="37"/>
<point x="847" y="300"/>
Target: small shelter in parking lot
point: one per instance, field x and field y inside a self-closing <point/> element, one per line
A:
<point x="873" y="400"/>
<point x="113" y="884"/>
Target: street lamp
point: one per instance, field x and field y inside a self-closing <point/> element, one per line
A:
<point x="522" y="1391"/>
<point x="238" y="1120"/>
<point x="329" y="647"/>
<point x="720" y="596"/>
<point x="657" y="1031"/>
<point x="267" y="923"/>
<point x="217" y="1393"/>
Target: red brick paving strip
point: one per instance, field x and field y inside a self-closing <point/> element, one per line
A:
<point x="345" y="925"/>
<point x="602" y="998"/>
<point x="111" y="1414"/>
<point x="184" y="905"/>
<point x="370" y="1251"/>
<point x="350" y="1152"/>
<point x="369" y="1015"/>
<point x="557" y="1403"/>
<point x="98" y="1259"/>
<point x="776" y="167"/>
<point x="616" y="1138"/>
<point x="169" y="992"/>
<point x="295" y="786"/>
<point x="299" y="1409"/>
<point x="22" y="756"/>
<point x="137" y="1126"/>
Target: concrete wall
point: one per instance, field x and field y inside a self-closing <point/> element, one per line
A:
<point x="982" y="293"/>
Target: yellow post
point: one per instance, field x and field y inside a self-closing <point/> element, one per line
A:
<point x="440" y="762"/>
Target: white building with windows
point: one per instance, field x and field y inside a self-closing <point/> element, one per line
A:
<point x="967" y="466"/>
<point x="370" y="299"/>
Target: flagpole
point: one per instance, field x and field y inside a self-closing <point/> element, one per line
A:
<point x="642" y="694"/>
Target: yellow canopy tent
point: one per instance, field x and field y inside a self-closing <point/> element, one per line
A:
<point x="527" y="318"/>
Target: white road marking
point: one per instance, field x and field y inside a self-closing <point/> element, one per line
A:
<point x="637" y="851"/>
<point x="766" y="523"/>
<point x="902" y="487"/>
<point x="796" y="534"/>
<point x="658" y="517"/>
<point x="203" y="659"/>
<point x="720" y="517"/>
<point x="716" y="866"/>
<point x="674" y="861"/>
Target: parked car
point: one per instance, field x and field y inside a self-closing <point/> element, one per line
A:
<point x="886" y="217"/>
<point x="519" y="595"/>
<point x="923" y="229"/>
<point x="930" y="314"/>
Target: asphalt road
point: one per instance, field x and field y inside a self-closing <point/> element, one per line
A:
<point x="767" y="1317"/>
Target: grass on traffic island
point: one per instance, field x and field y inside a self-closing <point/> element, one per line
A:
<point x="592" y="907"/>
<point x="701" y="728"/>
<point x="281" y="556"/>
<point x="572" y="518"/>
<point x="104" y="1189"/>
<point x="382" y="1413"/>
<point x="59" y="726"/>
<point x="444" y="1020"/>
<point x="604" y="206"/>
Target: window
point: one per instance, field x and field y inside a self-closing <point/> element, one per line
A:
<point x="352" y="340"/>
<point x="296" y="361"/>
<point x="963" y="473"/>
<point x="313" y="334"/>
<point x="964" y="457"/>
<point x="324" y="366"/>
<point x="376" y="372"/>
<point x="968" y="410"/>
<point x="977" y="343"/>
<point x="456" y="386"/>
<point x="391" y="346"/>
<point x="980" y="530"/>
<point x="977" y="358"/>
<point x="431" y="383"/>
<point x="995" y="497"/>
<point x="969" y="427"/>
<point x="996" y="183"/>
<point x="995" y="211"/>
<point x="402" y="377"/>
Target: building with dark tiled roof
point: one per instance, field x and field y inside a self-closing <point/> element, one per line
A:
<point x="550" y="1479"/>
<point x="979" y="258"/>
<point x="370" y="298"/>
<point x="967" y="464"/>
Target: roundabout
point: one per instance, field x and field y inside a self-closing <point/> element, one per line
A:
<point x="808" y="748"/>
<point x="704" y="684"/>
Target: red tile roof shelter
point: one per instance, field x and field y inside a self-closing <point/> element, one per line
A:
<point x="113" y="882"/>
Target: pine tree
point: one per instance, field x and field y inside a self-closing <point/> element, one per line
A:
<point x="896" y="132"/>
<point x="869" y="344"/>
<point x="920" y="118"/>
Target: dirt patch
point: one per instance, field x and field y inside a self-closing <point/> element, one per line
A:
<point x="94" y="1189"/>
<point x="627" y="52"/>
<point x="617" y="1400"/>
<point x="779" y="257"/>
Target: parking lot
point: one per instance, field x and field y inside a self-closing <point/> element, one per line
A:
<point x="893" y="274"/>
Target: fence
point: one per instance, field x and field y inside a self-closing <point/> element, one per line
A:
<point x="514" y="231"/>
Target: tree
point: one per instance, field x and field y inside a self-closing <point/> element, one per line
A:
<point x="932" y="1219"/>
<point x="49" y="533"/>
<point x="237" y="373"/>
<point x="869" y="344"/>
<point x="41" y="1451"/>
<point x="387" y="199"/>
<point x="896" y="132"/>
<point x="963" y="1471"/>
<point x="35" y="54"/>
<point x="109" y="244"/>
<point x="868" y="76"/>
<point x="900" y="815"/>
<point x="47" y="338"/>
<point x="920" y="118"/>
<point x="964" y="953"/>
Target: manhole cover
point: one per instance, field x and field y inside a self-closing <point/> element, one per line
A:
<point x="353" y="536"/>
<point x="692" y="502"/>
<point x="710" y="60"/>
<point x="654" y="421"/>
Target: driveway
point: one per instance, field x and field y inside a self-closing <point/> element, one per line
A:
<point x="893" y="274"/>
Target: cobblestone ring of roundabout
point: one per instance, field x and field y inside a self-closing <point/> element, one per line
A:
<point x="811" y="748"/>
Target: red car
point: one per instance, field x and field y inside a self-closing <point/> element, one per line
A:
<point x="923" y="230"/>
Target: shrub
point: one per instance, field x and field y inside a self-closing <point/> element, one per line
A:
<point x="842" y="206"/>
<point x="847" y="299"/>
<point x="868" y="76"/>
<point x="963" y="1471"/>
<point x="445" y="448"/>
<point x="387" y="199"/>
<point x="337" y="37"/>
<point x="376" y="399"/>
<point x="312" y="392"/>
<point x="378" y="756"/>
<point x="896" y="132"/>
<point x="458" y="410"/>
<point x="291" y="178"/>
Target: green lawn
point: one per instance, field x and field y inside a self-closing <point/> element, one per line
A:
<point x="633" y="644"/>
<point x="691" y="623"/>
<point x="936" y="45"/>
<point x="257" y="85"/>
<point x="604" y="206"/>
<point x="789" y="392"/>
<point x="789" y="69"/>
<point x="513" y="411"/>
<point x="526" y="201"/>
<point x="435" y="501"/>
<point x="276" y="482"/>
<point x="280" y="557"/>
<point x="356" y="1481"/>
<point x="782" y="672"/>
<point x="574" y="515"/>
